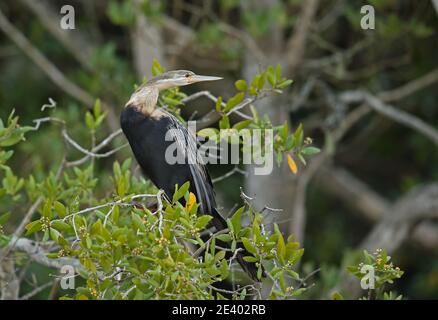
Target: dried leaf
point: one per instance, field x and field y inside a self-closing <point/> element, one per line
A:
<point x="292" y="164"/>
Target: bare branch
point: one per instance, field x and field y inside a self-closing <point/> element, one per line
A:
<point x="36" y="291"/>
<point x="88" y="153"/>
<point x="97" y="148"/>
<point x="236" y="169"/>
<point x="38" y="253"/>
<point x="419" y="204"/>
<point x="389" y="111"/>
<point x="410" y="87"/>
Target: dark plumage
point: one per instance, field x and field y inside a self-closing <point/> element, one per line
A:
<point x="146" y="127"/>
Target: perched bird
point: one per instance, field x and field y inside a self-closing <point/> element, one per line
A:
<point x="146" y="126"/>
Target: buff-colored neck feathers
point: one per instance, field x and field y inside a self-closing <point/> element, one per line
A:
<point x="144" y="99"/>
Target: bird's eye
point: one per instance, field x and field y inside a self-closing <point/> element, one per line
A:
<point x="187" y="75"/>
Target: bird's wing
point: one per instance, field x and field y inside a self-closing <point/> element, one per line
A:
<point x="186" y="142"/>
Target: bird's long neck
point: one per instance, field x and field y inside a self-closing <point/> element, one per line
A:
<point x="144" y="99"/>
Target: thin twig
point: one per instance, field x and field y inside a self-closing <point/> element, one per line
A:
<point x="397" y="115"/>
<point x="198" y="252"/>
<point x="36" y="291"/>
<point x="236" y="169"/>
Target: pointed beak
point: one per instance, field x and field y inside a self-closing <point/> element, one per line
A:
<point x="198" y="78"/>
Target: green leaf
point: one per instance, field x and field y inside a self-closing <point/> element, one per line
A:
<point x="210" y="133"/>
<point x="278" y="72"/>
<point x="224" y="123"/>
<point x="282" y="281"/>
<point x="46" y="236"/>
<point x="121" y="188"/>
<point x="33" y="227"/>
<point x="87" y="263"/>
<point x="54" y="234"/>
<point x="224" y="269"/>
<point x="241" y="85"/>
<point x="242" y="124"/>
<point x="337" y="296"/>
<point x="300" y="156"/>
<point x="157" y="68"/>
<point x="259" y="272"/>
<point x="233" y="245"/>
<point x="284" y="130"/>
<point x="255" y="114"/>
<point x="219" y="104"/>
<point x="291" y="248"/>
<point x="298" y="135"/>
<point x="224" y="237"/>
<point x="203" y="221"/>
<point x="47" y="210"/>
<point x="234" y="101"/>
<point x="308" y="151"/>
<point x="236" y="220"/>
<point x="261" y="81"/>
<point x="97" y="109"/>
<point x="250" y="259"/>
<point x="298" y="292"/>
<point x="249" y="246"/>
<point x="4" y="218"/>
<point x="181" y="191"/>
<point x="60" y="209"/>
<point x="60" y="225"/>
<point x="89" y="120"/>
<point x="137" y="221"/>
<point x="281" y="249"/>
<point x="170" y="101"/>
<point x="220" y="255"/>
<point x="271" y="76"/>
<point x="284" y="84"/>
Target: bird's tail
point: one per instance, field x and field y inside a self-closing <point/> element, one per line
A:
<point x="249" y="267"/>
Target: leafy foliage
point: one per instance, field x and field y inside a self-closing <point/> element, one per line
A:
<point x="384" y="271"/>
<point x="127" y="250"/>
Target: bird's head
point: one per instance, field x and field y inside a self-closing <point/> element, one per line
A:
<point x="146" y="96"/>
<point x="178" y="78"/>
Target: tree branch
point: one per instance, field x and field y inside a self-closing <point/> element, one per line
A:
<point x="399" y="116"/>
<point x="367" y="203"/>
<point x="38" y="253"/>
<point x="418" y="204"/>
<point x="296" y="45"/>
